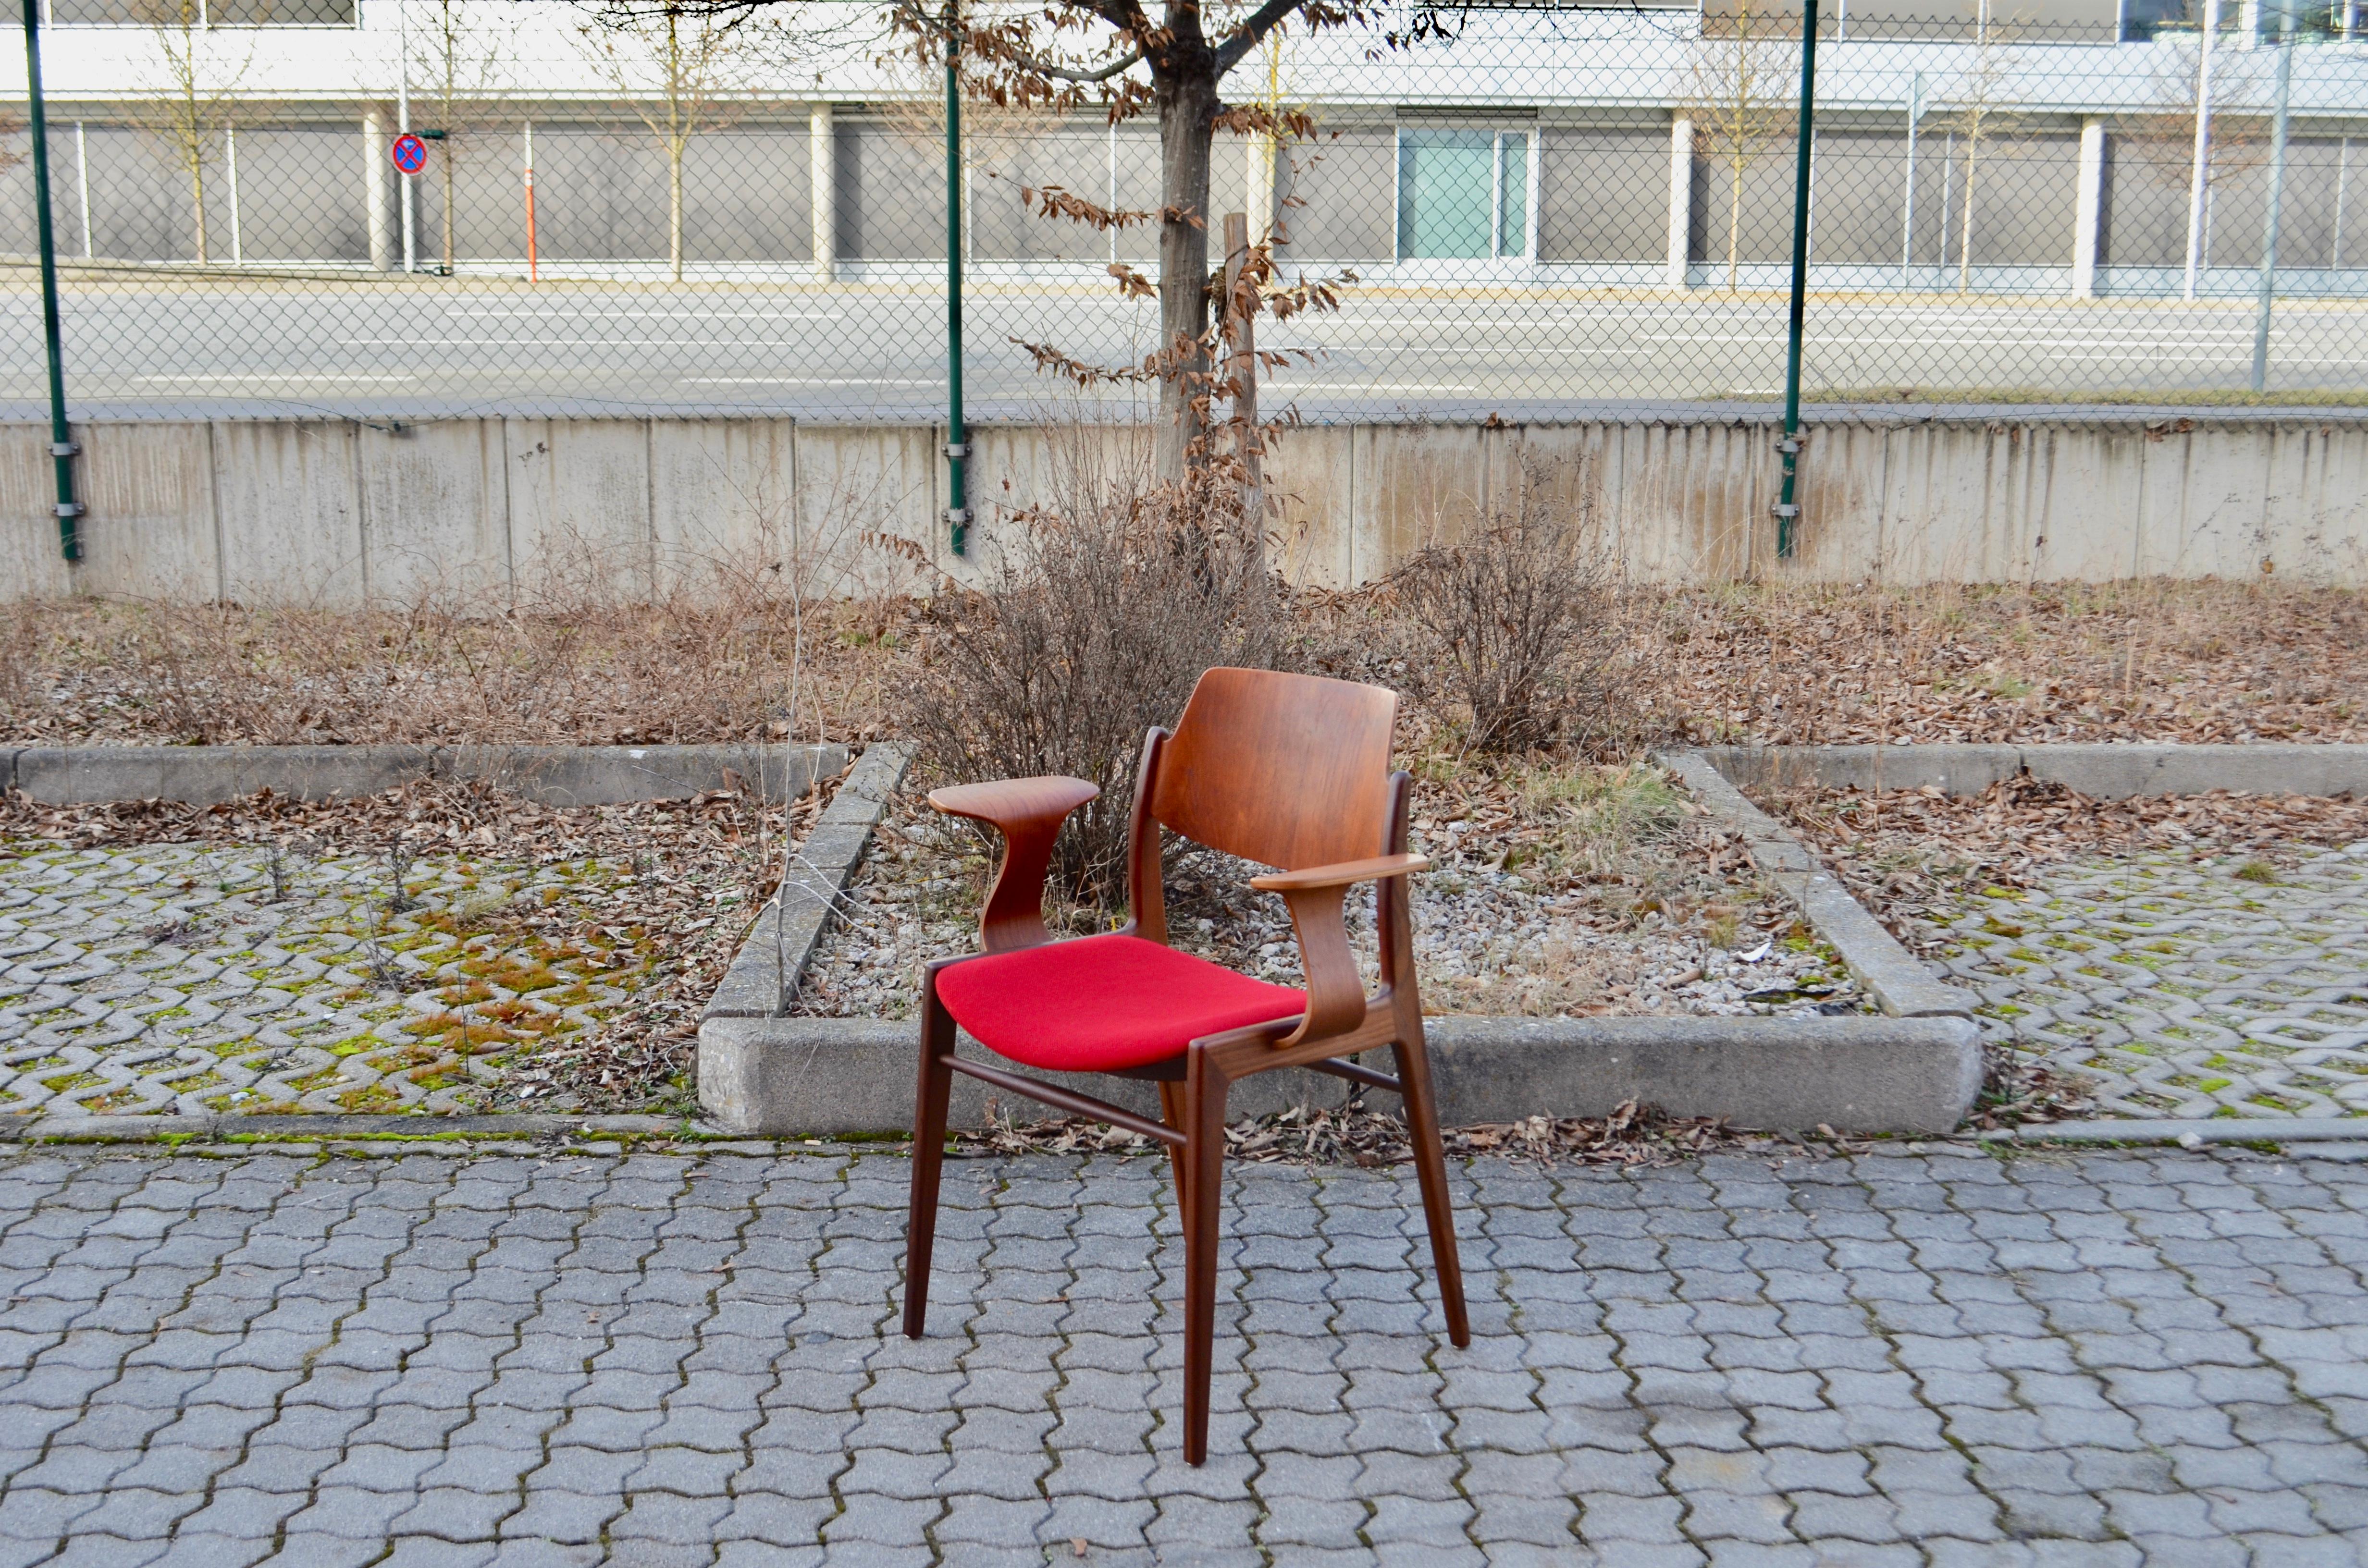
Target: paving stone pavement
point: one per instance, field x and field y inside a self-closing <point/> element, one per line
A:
<point x="2184" y="989"/>
<point x="1946" y="1357"/>
<point x="180" y="979"/>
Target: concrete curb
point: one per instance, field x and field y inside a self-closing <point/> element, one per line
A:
<point x="2102" y="772"/>
<point x="1898" y="982"/>
<point x="776" y="950"/>
<point x="819" y="1077"/>
<point x="764" y="1074"/>
<point x="551" y="776"/>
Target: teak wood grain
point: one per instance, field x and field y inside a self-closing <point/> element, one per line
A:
<point x="1291" y="771"/>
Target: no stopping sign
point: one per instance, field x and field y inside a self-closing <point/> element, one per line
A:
<point x="409" y="152"/>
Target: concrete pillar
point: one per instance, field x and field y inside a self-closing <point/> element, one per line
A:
<point x="376" y="172"/>
<point x="2088" y="217"/>
<point x="822" y="181"/>
<point x="1681" y="199"/>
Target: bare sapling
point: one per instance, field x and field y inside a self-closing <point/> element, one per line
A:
<point x="1521" y="619"/>
<point x="1113" y="596"/>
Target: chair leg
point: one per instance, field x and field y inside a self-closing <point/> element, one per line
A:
<point x="1171" y="1111"/>
<point x="1430" y="1164"/>
<point x="1204" y="1157"/>
<point x="930" y="1097"/>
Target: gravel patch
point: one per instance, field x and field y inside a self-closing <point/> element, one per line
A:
<point x="1674" y="927"/>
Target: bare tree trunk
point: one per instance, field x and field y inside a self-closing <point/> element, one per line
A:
<point x="1188" y="115"/>
<point x="1734" y="220"/>
<point x="674" y="207"/>
<point x="1966" y="226"/>
<point x="445" y="153"/>
<point x="197" y="201"/>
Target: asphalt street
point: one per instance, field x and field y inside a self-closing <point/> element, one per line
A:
<point x="428" y="347"/>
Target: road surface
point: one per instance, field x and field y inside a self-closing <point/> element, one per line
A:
<point x="862" y="352"/>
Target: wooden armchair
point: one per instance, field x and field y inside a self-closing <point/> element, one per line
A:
<point x="1286" y="771"/>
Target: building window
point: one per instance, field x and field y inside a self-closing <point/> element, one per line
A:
<point x="209" y="14"/>
<point x="1464" y="194"/>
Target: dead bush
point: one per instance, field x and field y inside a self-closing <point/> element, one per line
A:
<point x="23" y="630"/>
<point x="1108" y="602"/>
<point x="1520" y="622"/>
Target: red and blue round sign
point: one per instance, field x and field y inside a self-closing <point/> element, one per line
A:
<point x="410" y="154"/>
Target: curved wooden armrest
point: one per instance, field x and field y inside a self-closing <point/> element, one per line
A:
<point x="1029" y="814"/>
<point x="1335" y="993"/>
<point x="1343" y="874"/>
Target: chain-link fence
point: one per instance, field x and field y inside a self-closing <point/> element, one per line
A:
<point x="1546" y="209"/>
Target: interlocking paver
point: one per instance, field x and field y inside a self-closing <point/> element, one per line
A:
<point x="178" y="979"/>
<point x="2184" y="988"/>
<point x="2185" y="1394"/>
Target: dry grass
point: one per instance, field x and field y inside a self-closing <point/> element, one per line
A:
<point x="2131" y="661"/>
<point x="712" y="666"/>
<point x="2149" y="660"/>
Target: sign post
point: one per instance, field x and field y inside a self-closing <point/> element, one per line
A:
<point x="410" y="155"/>
<point x="1788" y="507"/>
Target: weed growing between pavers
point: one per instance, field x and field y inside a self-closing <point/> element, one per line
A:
<point x="331" y="997"/>
<point x="2181" y="986"/>
<point x="563" y="965"/>
<point x="2160" y="956"/>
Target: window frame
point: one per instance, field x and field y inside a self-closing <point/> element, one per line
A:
<point x="1498" y="130"/>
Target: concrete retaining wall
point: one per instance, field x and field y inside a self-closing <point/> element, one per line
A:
<point x="335" y="514"/>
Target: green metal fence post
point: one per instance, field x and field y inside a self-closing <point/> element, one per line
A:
<point x="957" y="433"/>
<point x="61" y="442"/>
<point x="1788" y="508"/>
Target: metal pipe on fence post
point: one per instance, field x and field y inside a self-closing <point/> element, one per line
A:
<point x="957" y="433"/>
<point x="1241" y="371"/>
<point x="407" y="191"/>
<point x="2270" y="223"/>
<point x="534" y="262"/>
<point x="1788" y="508"/>
<point x="1907" y="201"/>
<point x="61" y="443"/>
<point x="2200" y="178"/>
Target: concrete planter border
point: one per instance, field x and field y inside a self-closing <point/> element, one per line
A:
<point x="551" y="776"/>
<point x="2105" y="772"/>
<point x="1915" y="1070"/>
<point x="1897" y="981"/>
<point x="765" y="971"/>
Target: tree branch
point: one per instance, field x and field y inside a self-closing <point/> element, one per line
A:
<point x="1126" y="15"/>
<point x="1118" y="67"/>
<point x="1253" y="31"/>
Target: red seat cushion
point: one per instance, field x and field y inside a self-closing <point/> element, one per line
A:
<point x="1100" y="1004"/>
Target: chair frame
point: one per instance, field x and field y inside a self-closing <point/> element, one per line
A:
<point x="1340" y="1021"/>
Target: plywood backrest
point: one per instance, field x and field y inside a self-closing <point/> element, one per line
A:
<point x="1288" y="771"/>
